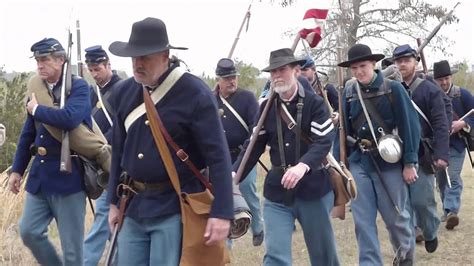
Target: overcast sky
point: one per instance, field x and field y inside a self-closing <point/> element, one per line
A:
<point x="208" y="28"/>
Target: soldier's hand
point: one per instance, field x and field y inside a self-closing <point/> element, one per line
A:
<point x="216" y="230"/>
<point x="409" y="174"/>
<point x="31" y="104"/>
<point x="293" y="175"/>
<point x="441" y="164"/>
<point x="335" y="118"/>
<point x="456" y="126"/>
<point x="14" y="182"/>
<point x="113" y="216"/>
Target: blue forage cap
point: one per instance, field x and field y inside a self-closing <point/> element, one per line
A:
<point x="46" y="46"/>
<point x="308" y="63"/>
<point x="405" y="51"/>
<point x="95" y="54"/>
<point x="226" y="68"/>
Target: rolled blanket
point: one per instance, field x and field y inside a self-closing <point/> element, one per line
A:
<point x="242" y="215"/>
<point x="392" y="72"/>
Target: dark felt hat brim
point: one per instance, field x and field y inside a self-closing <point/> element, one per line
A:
<point x="124" y="49"/>
<point x="284" y="61"/>
<point x="437" y="76"/>
<point x="371" y="57"/>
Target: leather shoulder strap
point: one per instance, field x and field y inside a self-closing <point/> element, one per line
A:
<point x="159" y="135"/>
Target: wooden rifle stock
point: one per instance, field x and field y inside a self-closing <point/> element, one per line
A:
<point x="342" y="129"/>
<point x="253" y="138"/>
<point x="65" y="159"/>
<point x="422" y="56"/>
<point x="261" y="120"/>
<point x="323" y="92"/>
<point x="111" y="251"/>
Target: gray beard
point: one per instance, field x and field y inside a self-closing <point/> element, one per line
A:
<point x="282" y="88"/>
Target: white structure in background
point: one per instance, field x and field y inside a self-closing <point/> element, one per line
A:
<point x="2" y="134"/>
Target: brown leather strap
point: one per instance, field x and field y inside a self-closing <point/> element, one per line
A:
<point x="159" y="135"/>
<point x="292" y="127"/>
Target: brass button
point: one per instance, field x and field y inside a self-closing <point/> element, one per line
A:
<point x="140" y="156"/>
<point x="147" y="122"/>
<point x="42" y="151"/>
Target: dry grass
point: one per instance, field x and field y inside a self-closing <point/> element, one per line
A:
<point x="454" y="246"/>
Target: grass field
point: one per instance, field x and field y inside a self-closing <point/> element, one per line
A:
<point x="455" y="247"/>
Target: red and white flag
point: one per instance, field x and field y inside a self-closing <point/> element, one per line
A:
<point x="313" y="21"/>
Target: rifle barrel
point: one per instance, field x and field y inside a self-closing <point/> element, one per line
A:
<point x="65" y="158"/>
<point x="436" y="29"/>
<point x="79" y="58"/>
<point x="112" y="246"/>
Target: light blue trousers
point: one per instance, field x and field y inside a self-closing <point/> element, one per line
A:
<point x="373" y="197"/>
<point x="68" y="211"/>
<point x="451" y="196"/>
<point x="313" y="215"/>
<point x="248" y="188"/>
<point x="423" y="204"/>
<point x="150" y="241"/>
<point x="94" y="244"/>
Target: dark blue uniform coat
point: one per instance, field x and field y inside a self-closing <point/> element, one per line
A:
<point x="98" y="113"/>
<point x="189" y="113"/>
<point x="44" y="174"/>
<point x="462" y="103"/>
<point x="430" y="99"/>
<point x="246" y="105"/>
<point x="316" y="124"/>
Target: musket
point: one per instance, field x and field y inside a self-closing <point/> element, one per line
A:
<point x="258" y="127"/>
<point x="319" y="85"/>
<point x="421" y="45"/>
<point x="342" y="129"/>
<point x="66" y="85"/>
<point x="80" y="70"/>
<point x="231" y="53"/>
<point x="435" y="30"/>
<point x="422" y="57"/>
<point x="246" y="18"/>
<point x="124" y="197"/>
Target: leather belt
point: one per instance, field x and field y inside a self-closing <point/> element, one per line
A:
<point x="43" y="151"/>
<point x="164" y="185"/>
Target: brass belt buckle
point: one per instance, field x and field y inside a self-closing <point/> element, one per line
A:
<point x="42" y="151"/>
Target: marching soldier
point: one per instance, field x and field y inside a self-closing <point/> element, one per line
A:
<point x="151" y="232"/>
<point x="462" y="102"/>
<point x="297" y="186"/>
<point x="238" y="110"/>
<point x="381" y="171"/>
<point x="51" y="193"/>
<point x="98" y="64"/>
<point x="308" y="69"/>
<point x="434" y="146"/>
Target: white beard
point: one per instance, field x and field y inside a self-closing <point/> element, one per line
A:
<point x="282" y="88"/>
